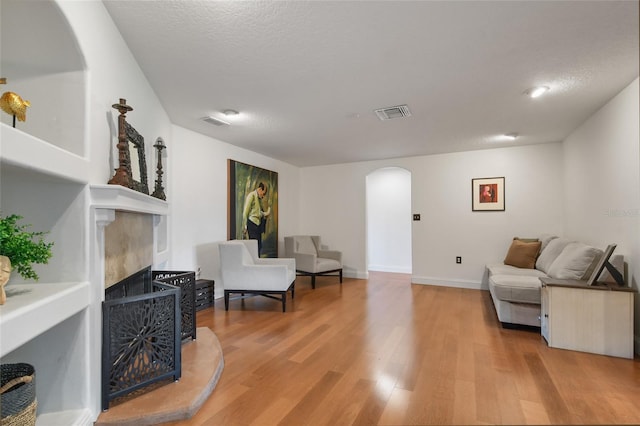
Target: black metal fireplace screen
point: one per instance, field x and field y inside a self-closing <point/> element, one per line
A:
<point x="186" y="280"/>
<point x="144" y="321"/>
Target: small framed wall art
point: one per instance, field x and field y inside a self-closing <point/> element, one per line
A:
<point x="487" y="194"/>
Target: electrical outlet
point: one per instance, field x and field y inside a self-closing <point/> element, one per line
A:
<point x="416" y="216"/>
<point x="458" y="259"/>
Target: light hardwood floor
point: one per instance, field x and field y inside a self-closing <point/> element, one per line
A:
<point x="385" y="352"/>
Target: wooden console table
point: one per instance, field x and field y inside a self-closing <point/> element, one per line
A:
<point x="596" y="319"/>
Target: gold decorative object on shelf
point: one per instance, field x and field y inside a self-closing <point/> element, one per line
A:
<point x="5" y="274"/>
<point x="13" y="104"/>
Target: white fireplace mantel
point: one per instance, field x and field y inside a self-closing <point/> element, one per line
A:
<point x="106" y="200"/>
<point x="117" y="197"/>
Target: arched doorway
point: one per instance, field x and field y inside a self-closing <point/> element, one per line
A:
<point x="388" y="194"/>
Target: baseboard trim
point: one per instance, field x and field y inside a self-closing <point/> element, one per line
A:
<point x="442" y="282"/>
<point x="359" y="275"/>
<point x="390" y="268"/>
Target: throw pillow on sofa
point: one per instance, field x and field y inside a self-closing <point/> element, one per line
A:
<point x="522" y="254"/>
<point x="546" y="239"/>
<point x="550" y="253"/>
<point x="574" y="262"/>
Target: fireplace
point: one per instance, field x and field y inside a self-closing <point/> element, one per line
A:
<point x="146" y="316"/>
<point x="140" y="335"/>
<point x="129" y="232"/>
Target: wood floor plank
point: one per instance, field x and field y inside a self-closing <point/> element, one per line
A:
<point x="507" y="393"/>
<point x="534" y="413"/>
<point x="373" y="407"/>
<point x="464" y="403"/>
<point x="312" y="400"/>
<point x="487" y="404"/>
<point x="384" y="351"/>
<point x="344" y="409"/>
<point x="274" y="413"/>
<point x="554" y="403"/>
<point x="396" y="407"/>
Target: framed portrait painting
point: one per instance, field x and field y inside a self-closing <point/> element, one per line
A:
<point x="253" y="206"/>
<point x="487" y="194"/>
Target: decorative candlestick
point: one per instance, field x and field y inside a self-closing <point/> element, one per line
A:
<point x="122" y="175"/>
<point x="159" y="190"/>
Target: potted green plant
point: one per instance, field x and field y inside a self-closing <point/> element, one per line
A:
<point x="20" y="249"/>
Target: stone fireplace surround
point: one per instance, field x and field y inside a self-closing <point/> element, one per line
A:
<point x="130" y="232"/>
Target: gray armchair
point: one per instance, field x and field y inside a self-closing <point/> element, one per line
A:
<point x="312" y="258"/>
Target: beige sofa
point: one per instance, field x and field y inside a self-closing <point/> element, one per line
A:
<point x="515" y="290"/>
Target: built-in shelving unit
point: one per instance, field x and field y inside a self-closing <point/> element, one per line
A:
<point x="44" y="176"/>
<point x="23" y="318"/>
<point x="20" y="149"/>
<point x="44" y="323"/>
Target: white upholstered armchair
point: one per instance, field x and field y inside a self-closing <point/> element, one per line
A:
<point x="312" y="258"/>
<point x="243" y="271"/>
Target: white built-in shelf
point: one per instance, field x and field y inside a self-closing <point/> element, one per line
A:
<point x="32" y="309"/>
<point x="67" y="418"/>
<point x="20" y="149"/>
<point x="117" y="197"/>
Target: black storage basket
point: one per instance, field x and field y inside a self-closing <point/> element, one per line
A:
<point x="18" y="394"/>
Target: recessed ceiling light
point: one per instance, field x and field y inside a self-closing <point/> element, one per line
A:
<point x="230" y="112"/>
<point x="511" y="136"/>
<point x="537" y="91"/>
<point x="215" y="121"/>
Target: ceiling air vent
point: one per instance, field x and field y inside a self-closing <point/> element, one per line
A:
<point x="215" y="121"/>
<point x="393" y="112"/>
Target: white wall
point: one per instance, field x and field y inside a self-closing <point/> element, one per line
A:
<point x="195" y="166"/>
<point x="113" y="73"/>
<point x="441" y="193"/>
<point x="602" y="182"/>
<point x="389" y="220"/>
<point x="199" y="199"/>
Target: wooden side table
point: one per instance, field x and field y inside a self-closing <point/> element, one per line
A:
<point x="596" y="319"/>
<point x="204" y="294"/>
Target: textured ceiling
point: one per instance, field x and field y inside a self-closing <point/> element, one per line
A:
<point x="307" y="76"/>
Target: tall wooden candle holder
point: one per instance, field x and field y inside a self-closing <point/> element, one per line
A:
<point x="159" y="189"/>
<point x="122" y="175"/>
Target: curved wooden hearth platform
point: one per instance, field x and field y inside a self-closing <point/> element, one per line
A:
<point x="202" y="365"/>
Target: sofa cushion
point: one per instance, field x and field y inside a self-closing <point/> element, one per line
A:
<point x="516" y="288"/>
<point x="323" y="265"/>
<point x="545" y="239"/>
<point x="574" y="262"/>
<point x="502" y="269"/>
<point x="550" y="253"/>
<point x="522" y="254"/>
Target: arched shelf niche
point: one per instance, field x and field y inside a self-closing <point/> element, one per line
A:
<point x="43" y="63"/>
